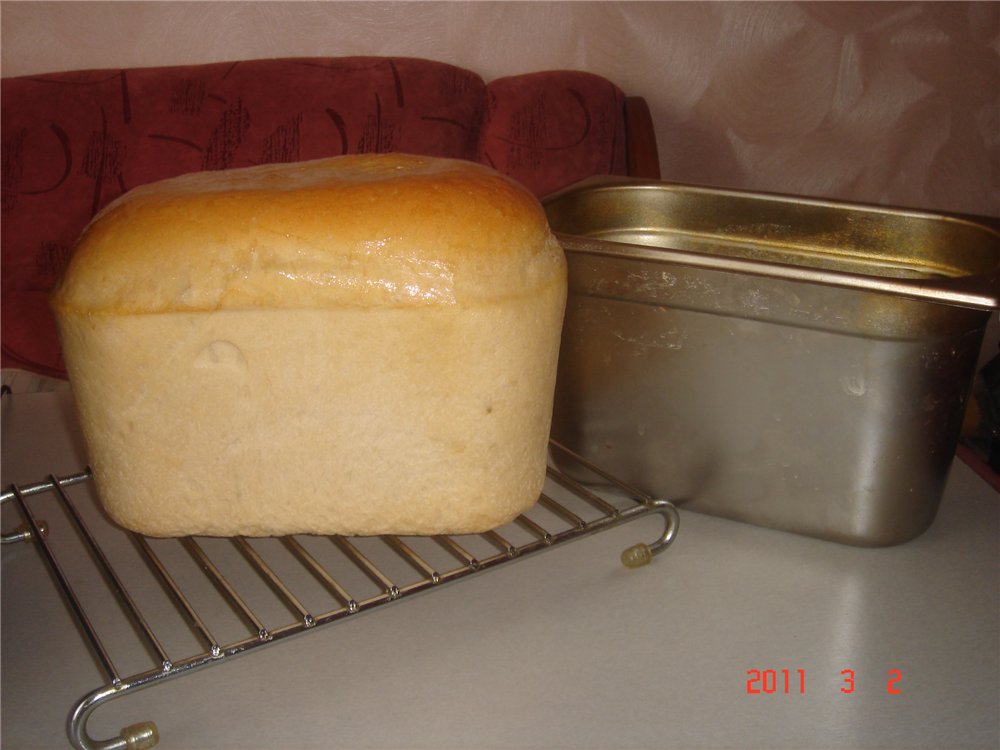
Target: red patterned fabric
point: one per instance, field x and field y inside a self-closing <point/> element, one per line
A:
<point x="73" y="142"/>
<point x="549" y="130"/>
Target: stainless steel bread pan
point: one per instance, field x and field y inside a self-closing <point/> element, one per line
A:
<point x="791" y="363"/>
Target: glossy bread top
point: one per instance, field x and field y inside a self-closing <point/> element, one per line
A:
<point x="367" y="230"/>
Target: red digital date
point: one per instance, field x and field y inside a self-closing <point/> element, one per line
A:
<point x="790" y="681"/>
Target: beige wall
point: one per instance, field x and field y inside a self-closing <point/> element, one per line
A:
<point x="889" y="103"/>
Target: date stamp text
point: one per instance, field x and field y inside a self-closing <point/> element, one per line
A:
<point x="793" y="681"/>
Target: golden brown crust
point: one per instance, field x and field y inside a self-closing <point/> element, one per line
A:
<point x="366" y="230"/>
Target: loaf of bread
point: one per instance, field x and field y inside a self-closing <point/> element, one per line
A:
<point x="357" y="345"/>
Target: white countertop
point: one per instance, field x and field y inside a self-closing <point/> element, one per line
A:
<point x="567" y="648"/>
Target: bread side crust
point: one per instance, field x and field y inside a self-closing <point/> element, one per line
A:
<point x="333" y="421"/>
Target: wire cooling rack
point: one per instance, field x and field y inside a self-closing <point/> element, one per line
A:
<point x="195" y="602"/>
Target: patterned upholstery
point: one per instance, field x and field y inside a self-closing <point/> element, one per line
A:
<point x="73" y="142"/>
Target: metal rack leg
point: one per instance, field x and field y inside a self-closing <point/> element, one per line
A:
<point x="135" y="737"/>
<point x="642" y="554"/>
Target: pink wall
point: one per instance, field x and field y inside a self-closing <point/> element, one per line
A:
<point x="895" y="103"/>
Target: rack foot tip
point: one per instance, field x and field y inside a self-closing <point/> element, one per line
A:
<point x="140" y="736"/>
<point x="24" y="533"/>
<point x="637" y="555"/>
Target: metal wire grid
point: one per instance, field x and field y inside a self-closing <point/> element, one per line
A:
<point x="194" y="602"/>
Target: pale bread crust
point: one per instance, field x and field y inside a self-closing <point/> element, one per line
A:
<point x="402" y="386"/>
